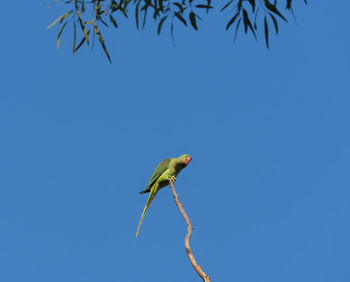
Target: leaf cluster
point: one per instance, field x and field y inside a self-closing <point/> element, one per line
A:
<point x="88" y="16"/>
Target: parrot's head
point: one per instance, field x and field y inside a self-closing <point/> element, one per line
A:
<point x="184" y="160"/>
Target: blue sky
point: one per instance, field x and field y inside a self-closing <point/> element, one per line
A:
<point x="267" y="190"/>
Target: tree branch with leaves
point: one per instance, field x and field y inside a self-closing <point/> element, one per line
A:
<point x="89" y="16"/>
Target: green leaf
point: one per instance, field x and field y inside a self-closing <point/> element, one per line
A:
<point x="252" y="3"/>
<point x="245" y="17"/>
<point x="161" y="6"/>
<point x="289" y="4"/>
<point x="125" y="6"/>
<point x="137" y="14"/>
<point x="193" y="20"/>
<point x="231" y="21"/>
<point x="209" y="6"/>
<point x="59" y="35"/>
<point x="237" y="26"/>
<point x="54" y="22"/>
<point x="74" y="37"/>
<point x="180" y="18"/>
<point x="144" y="17"/>
<point x="273" y="9"/>
<point x="181" y="8"/>
<point x="227" y="4"/>
<point x="204" y="6"/>
<point x="266" y="33"/>
<point x="65" y="16"/>
<point x="161" y="24"/>
<point x="83" y="28"/>
<point x="62" y="17"/>
<point x="104" y="23"/>
<point x="255" y="19"/>
<point x="172" y="31"/>
<point x="100" y="38"/>
<point x="247" y="23"/>
<point x="81" y="43"/>
<point x="274" y="22"/>
<point x="113" y="21"/>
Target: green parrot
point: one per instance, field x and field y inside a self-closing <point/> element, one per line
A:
<point x="167" y="170"/>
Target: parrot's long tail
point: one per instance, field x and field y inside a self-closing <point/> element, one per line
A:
<point x="149" y="200"/>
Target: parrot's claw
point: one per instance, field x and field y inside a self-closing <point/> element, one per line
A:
<point x="172" y="179"/>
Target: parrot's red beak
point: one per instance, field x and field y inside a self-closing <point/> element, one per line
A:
<point x="187" y="160"/>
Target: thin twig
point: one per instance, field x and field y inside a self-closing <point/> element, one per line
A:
<point x="199" y="270"/>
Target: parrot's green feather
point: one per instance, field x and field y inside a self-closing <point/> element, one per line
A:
<point x="163" y="166"/>
<point x="158" y="172"/>
<point x="166" y="170"/>
<point x="152" y="194"/>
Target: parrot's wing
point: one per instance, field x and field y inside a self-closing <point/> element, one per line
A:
<point x="163" y="166"/>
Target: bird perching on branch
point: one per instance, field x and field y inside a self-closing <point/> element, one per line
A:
<point x="165" y="172"/>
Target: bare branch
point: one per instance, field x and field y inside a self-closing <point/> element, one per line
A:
<point x="199" y="270"/>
